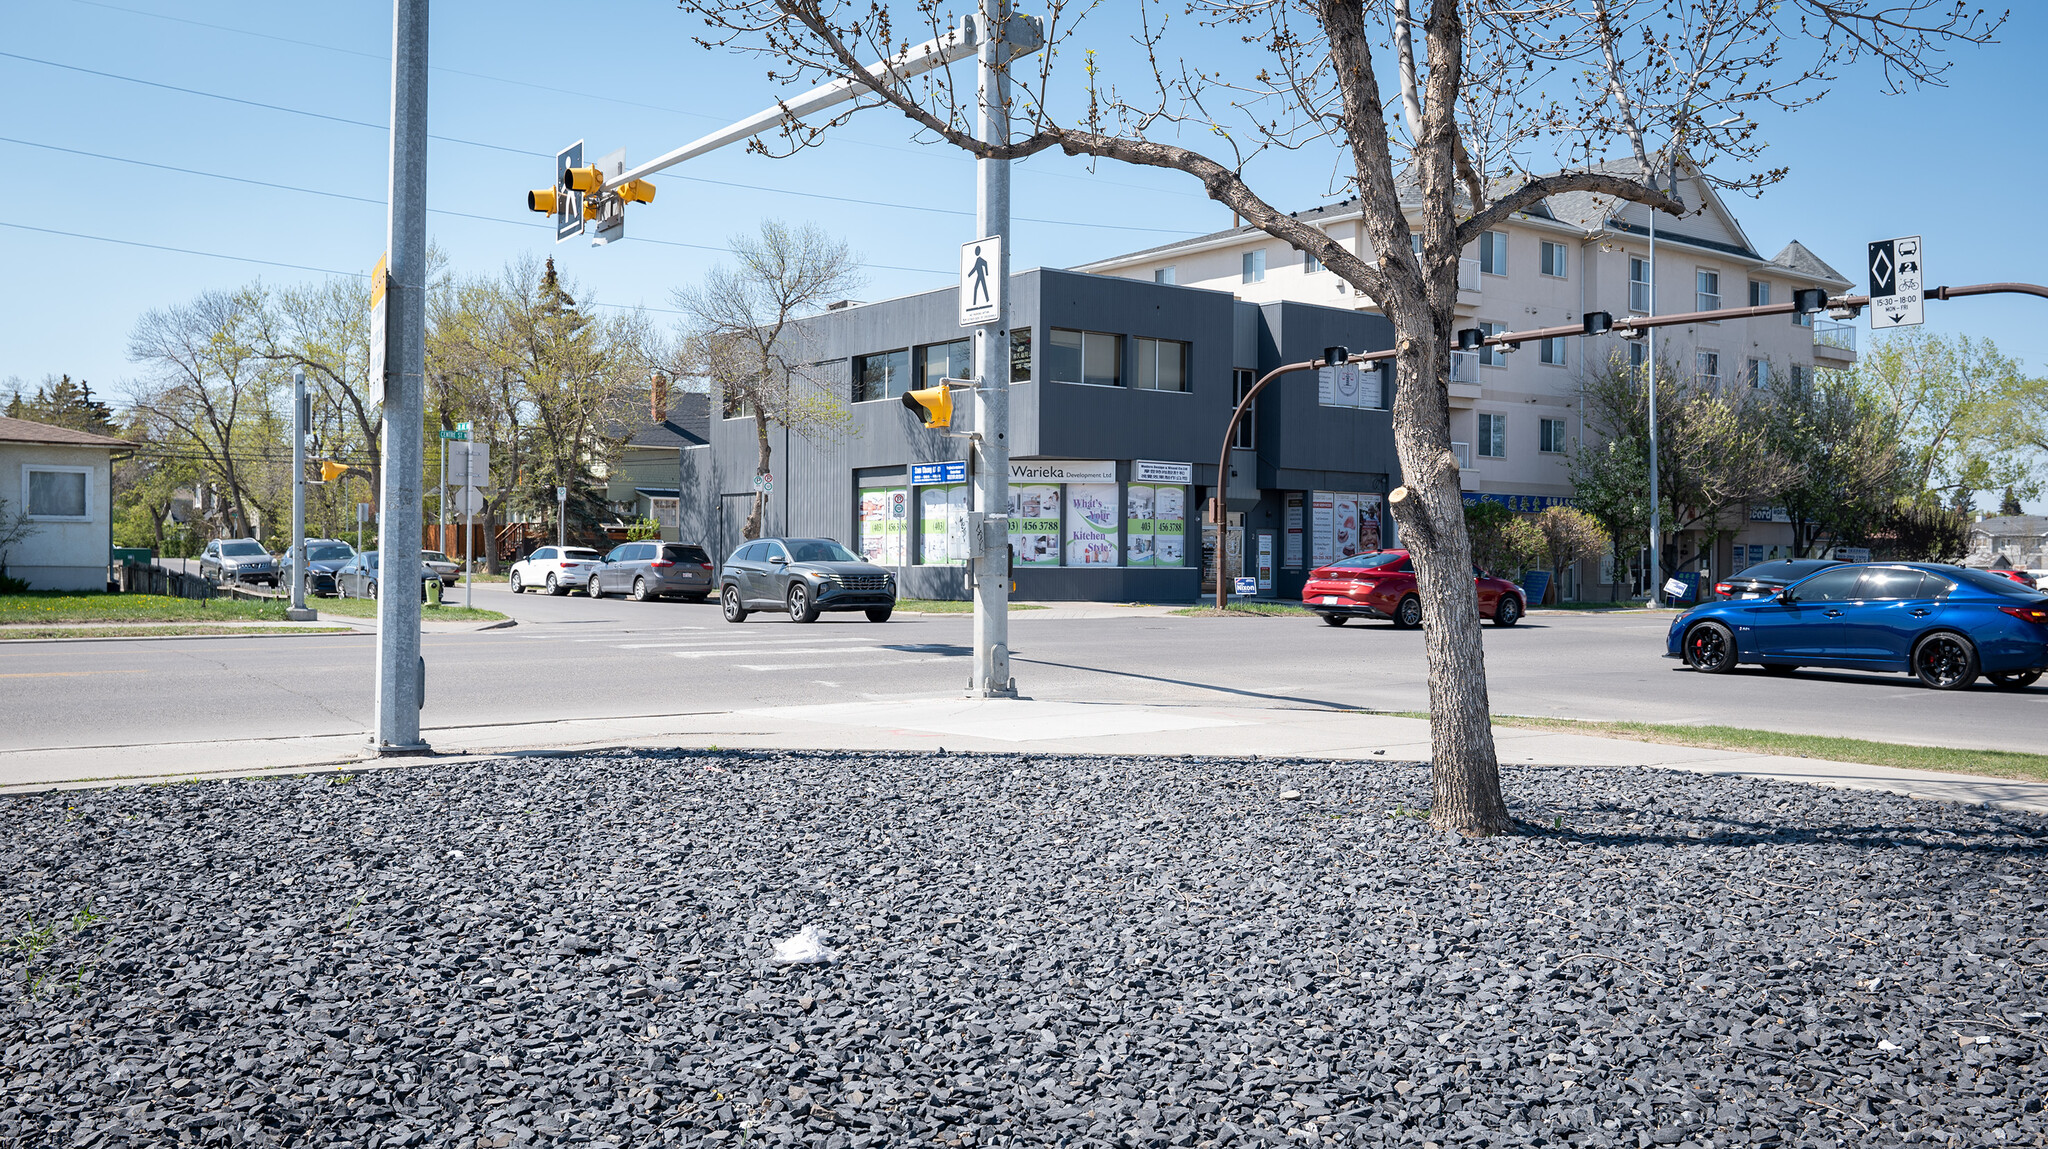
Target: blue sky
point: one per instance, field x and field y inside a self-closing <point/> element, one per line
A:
<point x="514" y="81"/>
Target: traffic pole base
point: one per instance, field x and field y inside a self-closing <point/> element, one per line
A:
<point x="301" y="614"/>
<point x="399" y="749"/>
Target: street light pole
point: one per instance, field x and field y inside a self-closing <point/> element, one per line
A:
<point x="301" y="418"/>
<point x="992" y="370"/>
<point x="401" y="674"/>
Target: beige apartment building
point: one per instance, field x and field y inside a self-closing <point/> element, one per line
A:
<point x="1516" y="415"/>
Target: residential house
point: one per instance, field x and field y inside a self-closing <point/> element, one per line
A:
<point x="63" y="481"/>
<point x="2009" y="541"/>
<point x="641" y="484"/>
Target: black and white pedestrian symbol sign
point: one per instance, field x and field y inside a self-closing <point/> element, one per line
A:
<point x="981" y="281"/>
<point x="568" y="204"/>
<point x="1897" y="287"/>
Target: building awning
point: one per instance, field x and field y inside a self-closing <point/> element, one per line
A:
<point x="659" y="492"/>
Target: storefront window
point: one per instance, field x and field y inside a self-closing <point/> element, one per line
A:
<point x="884" y="375"/>
<point x="938" y="362"/>
<point x="1035" y="524"/>
<point x="1091" y="524"/>
<point x="883" y="526"/>
<point x="1342" y="524"/>
<point x="943" y="519"/>
<point x="1155" y="525"/>
<point x="1086" y="357"/>
<point x="1020" y="355"/>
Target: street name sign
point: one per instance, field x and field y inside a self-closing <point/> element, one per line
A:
<point x="931" y="474"/>
<point x="981" y="281"/>
<point x="1897" y="295"/>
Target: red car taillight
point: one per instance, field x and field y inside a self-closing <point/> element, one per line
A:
<point x="661" y="563"/>
<point x="2027" y="613"/>
<point x="706" y="566"/>
<point x="1721" y="588"/>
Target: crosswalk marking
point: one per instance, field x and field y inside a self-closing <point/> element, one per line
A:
<point x="768" y="651"/>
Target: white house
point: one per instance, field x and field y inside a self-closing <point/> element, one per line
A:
<point x="63" y="480"/>
<point x="1516" y="416"/>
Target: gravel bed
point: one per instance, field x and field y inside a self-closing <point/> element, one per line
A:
<point x="1033" y="951"/>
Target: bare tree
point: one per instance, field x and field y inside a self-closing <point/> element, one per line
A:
<point x="1495" y="85"/>
<point x="740" y="338"/>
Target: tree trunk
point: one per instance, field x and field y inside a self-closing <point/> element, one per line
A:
<point x="762" y="467"/>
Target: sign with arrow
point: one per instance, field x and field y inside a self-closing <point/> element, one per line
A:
<point x="1897" y="292"/>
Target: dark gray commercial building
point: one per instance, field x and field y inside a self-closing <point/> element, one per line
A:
<point x="1120" y="394"/>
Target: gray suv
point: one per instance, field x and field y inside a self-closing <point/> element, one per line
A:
<point x="805" y="577"/>
<point x="237" y="561"/>
<point x="653" y="569"/>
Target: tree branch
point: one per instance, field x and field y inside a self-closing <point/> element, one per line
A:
<point x="1540" y="188"/>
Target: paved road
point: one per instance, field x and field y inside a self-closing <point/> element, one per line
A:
<point x="573" y="658"/>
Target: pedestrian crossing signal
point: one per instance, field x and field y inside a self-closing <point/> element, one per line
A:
<point x="542" y="200"/>
<point x="636" y="191"/>
<point x="331" y="470"/>
<point x="933" y="405"/>
<point x="583" y="179"/>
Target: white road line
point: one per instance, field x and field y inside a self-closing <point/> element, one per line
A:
<point x="754" y="643"/>
<point x="833" y="665"/>
<point x="744" y="652"/>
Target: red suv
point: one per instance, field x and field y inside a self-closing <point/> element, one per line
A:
<point x="1381" y="584"/>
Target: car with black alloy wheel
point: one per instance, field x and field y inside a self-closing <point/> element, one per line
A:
<point x="1765" y="579"/>
<point x="804" y="578"/>
<point x="237" y="561"/>
<point x="359" y="578"/>
<point x="653" y="569"/>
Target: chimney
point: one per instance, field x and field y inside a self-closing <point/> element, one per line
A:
<point x="660" y="404"/>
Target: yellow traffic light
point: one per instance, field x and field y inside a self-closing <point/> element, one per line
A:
<point x="331" y="470"/>
<point x="636" y="191"/>
<point x="584" y="179"/>
<point x="934" y="405"/>
<point x="590" y="208"/>
<point x="542" y="200"/>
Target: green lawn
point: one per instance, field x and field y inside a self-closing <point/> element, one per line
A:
<point x="45" y="633"/>
<point x="367" y="608"/>
<point x="950" y="606"/>
<point x="1246" y="609"/>
<point x="47" y="608"/>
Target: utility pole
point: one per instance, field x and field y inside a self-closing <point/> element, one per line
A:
<point x="1650" y="365"/>
<point x="301" y="419"/>
<point x="992" y="372"/>
<point x="561" y="516"/>
<point x="401" y="673"/>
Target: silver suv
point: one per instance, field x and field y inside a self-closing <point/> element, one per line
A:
<point x="237" y="561"/>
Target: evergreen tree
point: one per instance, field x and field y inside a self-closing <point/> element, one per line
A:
<point x="63" y="403"/>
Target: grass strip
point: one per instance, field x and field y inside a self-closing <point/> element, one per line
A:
<point x="1995" y="763"/>
<point x="52" y="607"/>
<point x="950" y="606"/>
<point x="367" y="608"/>
<point x="45" y="633"/>
<point x="1244" y="610"/>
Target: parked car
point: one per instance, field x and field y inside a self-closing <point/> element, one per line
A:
<point x="438" y="562"/>
<point x="237" y="561"/>
<point x="805" y="577"/>
<point x="1767" y="579"/>
<point x="1945" y="624"/>
<point x="1381" y="584"/>
<point x="323" y="558"/>
<point x="557" y="569"/>
<point x="2014" y="575"/>
<point x="358" y="578"/>
<point x="653" y="569"/>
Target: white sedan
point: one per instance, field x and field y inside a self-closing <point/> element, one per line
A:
<point x="559" y="569"/>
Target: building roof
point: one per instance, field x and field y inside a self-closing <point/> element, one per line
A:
<point x="2012" y="525"/>
<point x="1800" y="261"/>
<point x="24" y="431"/>
<point x="688" y="424"/>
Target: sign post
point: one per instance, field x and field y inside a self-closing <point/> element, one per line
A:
<point x="561" y="516"/>
<point x="1897" y="284"/>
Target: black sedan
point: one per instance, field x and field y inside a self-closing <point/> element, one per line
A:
<point x="358" y="578"/>
<point x="1766" y="579"/>
<point x="805" y="577"/>
<point x="323" y="558"/>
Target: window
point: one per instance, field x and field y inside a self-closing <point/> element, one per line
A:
<point x="1759" y="293"/>
<point x="1550" y="437"/>
<point x="1492" y="355"/>
<point x="1255" y="266"/>
<point x="1552" y="351"/>
<point x="1638" y="284"/>
<point x="737" y="405"/>
<point x="1247" y="436"/>
<point x="1553" y="259"/>
<point x="1706" y="291"/>
<point x="1493" y="436"/>
<point x="1310" y="264"/>
<point x="543" y="554"/>
<point x="1802" y="319"/>
<point x="1020" y="355"/>
<point x="1168" y="274"/>
<point x="1638" y="354"/>
<point x="884" y="375"/>
<point x="938" y="362"/>
<point x="1086" y="357"/>
<point x="1797" y="377"/>
<point x="1758" y="372"/>
<point x="1894" y="584"/>
<point x="57" y="492"/>
<point x="1836" y="584"/>
<point x="1493" y="252"/>
<point x="1162" y="365"/>
<point x="1707" y="367"/>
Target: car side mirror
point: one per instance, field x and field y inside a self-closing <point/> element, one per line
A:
<point x="778" y="560"/>
<point x="1785" y="596"/>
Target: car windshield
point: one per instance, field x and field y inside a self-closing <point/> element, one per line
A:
<point x="1789" y="570"/>
<point x="578" y="554"/>
<point x="819" y="551"/>
<point x="1368" y="562"/>
<point x="1996" y="584"/>
<point x="435" y="557"/>
<point x="329" y="553"/>
<point x="239" y="549"/>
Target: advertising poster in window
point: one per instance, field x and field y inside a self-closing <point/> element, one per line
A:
<point x="1169" y="526"/>
<point x="943" y="522"/>
<point x="1092" y="514"/>
<point x="1035" y="524"/>
<point x="1345" y="511"/>
<point x="1322" y="519"/>
<point x="1265" y="575"/>
<point x="1368" y="522"/>
<point x="883" y="529"/>
<point x="1290" y="549"/>
<point x="1138" y="525"/>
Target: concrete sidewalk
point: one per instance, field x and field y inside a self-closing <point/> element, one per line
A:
<point x="984" y="725"/>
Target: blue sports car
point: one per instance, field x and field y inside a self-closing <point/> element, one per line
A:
<point x="1945" y="624"/>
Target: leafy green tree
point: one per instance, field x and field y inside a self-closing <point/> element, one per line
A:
<point x="1504" y="544"/>
<point x="1570" y="536"/>
<point x="1847" y="464"/>
<point x="1959" y="405"/>
<point x="1611" y="480"/>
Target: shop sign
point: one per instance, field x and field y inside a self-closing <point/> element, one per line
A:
<point x="1149" y="471"/>
<point x="1062" y="471"/>
<point x="1520" y="504"/>
<point x="1769" y="515"/>
<point x="934" y="474"/>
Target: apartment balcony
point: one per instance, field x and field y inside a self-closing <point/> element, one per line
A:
<point x="1468" y="283"/>
<point x="1834" y="345"/>
<point x="1464" y="379"/>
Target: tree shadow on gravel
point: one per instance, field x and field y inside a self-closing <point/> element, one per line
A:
<point x="1740" y="833"/>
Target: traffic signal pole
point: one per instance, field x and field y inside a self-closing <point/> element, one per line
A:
<point x="301" y="417"/>
<point x="401" y="674"/>
<point x="991" y="444"/>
